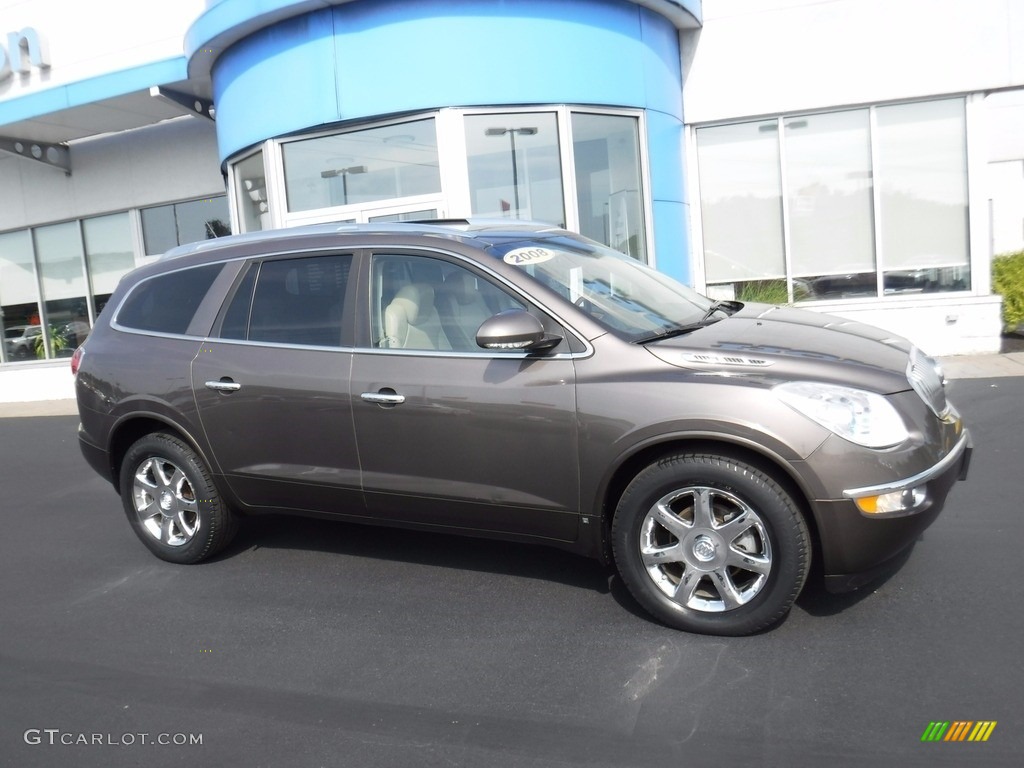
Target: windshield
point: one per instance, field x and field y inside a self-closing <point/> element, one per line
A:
<point x="617" y="291"/>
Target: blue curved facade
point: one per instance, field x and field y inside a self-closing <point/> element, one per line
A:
<point x="288" y="67"/>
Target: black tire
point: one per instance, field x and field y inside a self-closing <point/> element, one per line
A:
<point x="171" y="502"/>
<point x="710" y="544"/>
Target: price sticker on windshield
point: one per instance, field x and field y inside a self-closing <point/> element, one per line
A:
<point x="524" y="257"/>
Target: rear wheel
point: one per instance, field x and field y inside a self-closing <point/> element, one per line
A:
<point x="171" y="501"/>
<point x="710" y="544"/>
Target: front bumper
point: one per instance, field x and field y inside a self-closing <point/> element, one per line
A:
<point x="915" y="488"/>
<point x="858" y="547"/>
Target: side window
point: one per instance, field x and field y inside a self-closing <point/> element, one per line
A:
<point x="166" y="303"/>
<point x="418" y="302"/>
<point x="236" y="318"/>
<point x="291" y="301"/>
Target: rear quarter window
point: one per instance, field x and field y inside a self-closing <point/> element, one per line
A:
<point x="167" y="303"/>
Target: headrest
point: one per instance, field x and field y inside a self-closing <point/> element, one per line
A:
<point x="462" y="286"/>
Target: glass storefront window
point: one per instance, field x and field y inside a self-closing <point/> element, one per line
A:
<point x="864" y="208"/>
<point x="77" y="265"/>
<point x="108" y="254"/>
<point x="828" y="182"/>
<point x="922" y="173"/>
<point x="61" y="261"/>
<point x="19" y="297"/>
<point x="575" y="167"/>
<point x="741" y="203"/>
<point x="362" y="166"/>
<point x="251" y="194"/>
<point x="609" y="192"/>
<point x="515" y="168"/>
<point x="167" y="226"/>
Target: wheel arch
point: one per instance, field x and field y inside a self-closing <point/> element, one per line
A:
<point x="644" y="455"/>
<point x="131" y="428"/>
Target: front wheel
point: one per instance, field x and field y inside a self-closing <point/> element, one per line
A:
<point x="710" y="544"/>
<point x="171" y="501"/>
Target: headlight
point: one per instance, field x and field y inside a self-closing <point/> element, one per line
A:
<point x="855" y="415"/>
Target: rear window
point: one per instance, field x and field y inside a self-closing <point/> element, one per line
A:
<point x="167" y="303"/>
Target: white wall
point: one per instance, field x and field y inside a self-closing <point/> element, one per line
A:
<point x="756" y="57"/>
<point x="965" y="326"/>
<point x="171" y="161"/>
<point x="1006" y="125"/>
<point x="35" y="383"/>
<point x="93" y="37"/>
<point x="1006" y="201"/>
<point x="1005" y="117"/>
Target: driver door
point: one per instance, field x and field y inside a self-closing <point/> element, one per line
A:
<point x="452" y="435"/>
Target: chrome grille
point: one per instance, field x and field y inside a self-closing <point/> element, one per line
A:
<point x="925" y="376"/>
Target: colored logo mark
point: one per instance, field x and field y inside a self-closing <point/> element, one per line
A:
<point x="959" y="730"/>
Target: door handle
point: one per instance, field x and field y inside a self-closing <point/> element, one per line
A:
<point x="224" y="385"/>
<point x="384" y="397"/>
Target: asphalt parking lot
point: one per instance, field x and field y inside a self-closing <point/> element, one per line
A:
<point x="311" y="643"/>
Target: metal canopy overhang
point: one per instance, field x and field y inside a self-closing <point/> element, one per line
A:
<point x="110" y="103"/>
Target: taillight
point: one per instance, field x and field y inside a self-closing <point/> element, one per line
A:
<point x="76" y="360"/>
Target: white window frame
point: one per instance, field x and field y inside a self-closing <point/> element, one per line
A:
<point x="454" y="199"/>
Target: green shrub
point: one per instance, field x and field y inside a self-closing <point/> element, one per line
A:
<point x="763" y="292"/>
<point x="1008" y="281"/>
<point x="57" y="344"/>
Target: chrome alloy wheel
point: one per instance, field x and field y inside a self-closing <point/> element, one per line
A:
<point x="705" y="549"/>
<point x="165" y="502"/>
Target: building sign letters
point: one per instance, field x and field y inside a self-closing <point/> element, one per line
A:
<point x="24" y="49"/>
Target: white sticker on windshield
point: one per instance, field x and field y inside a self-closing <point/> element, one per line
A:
<point x="522" y="257"/>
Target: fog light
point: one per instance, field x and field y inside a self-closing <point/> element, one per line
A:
<point x="895" y="502"/>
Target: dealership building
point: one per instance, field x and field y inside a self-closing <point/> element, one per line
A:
<point x="859" y="157"/>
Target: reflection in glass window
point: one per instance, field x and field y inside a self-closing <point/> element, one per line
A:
<point x="835" y="250"/>
<point x="514" y="166"/>
<point x="922" y="173"/>
<point x="606" y="151"/>
<point x="362" y="166"/>
<point x="741" y="203"/>
<point x="300" y="301"/>
<point x="108" y="254"/>
<point x="251" y="193"/>
<point x="19" y="296"/>
<point x="61" y="262"/>
<point x="426" y="213"/>
<point x="828" y="182"/>
<point x="167" y="226"/>
<point x="167" y="303"/>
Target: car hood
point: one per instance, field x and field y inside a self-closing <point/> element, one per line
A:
<point x="784" y="343"/>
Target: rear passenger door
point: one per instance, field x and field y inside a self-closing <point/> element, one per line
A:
<point x="272" y="386"/>
<point x="450" y="434"/>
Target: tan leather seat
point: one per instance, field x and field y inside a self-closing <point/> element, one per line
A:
<point x="463" y="310"/>
<point x="411" y="320"/>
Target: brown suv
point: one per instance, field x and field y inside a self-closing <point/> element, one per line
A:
<point x="521" y="382"/>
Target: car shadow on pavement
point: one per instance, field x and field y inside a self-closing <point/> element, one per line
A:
<point x="498" y="557"/>
<point x="818" y="601"/>
<point x="418" y="547"/>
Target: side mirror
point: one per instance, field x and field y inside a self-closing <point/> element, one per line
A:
<point x="515" y="329"/>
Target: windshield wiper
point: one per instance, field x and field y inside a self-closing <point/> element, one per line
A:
<point x="729" y="307"/>
<point x="716" y="306"/>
